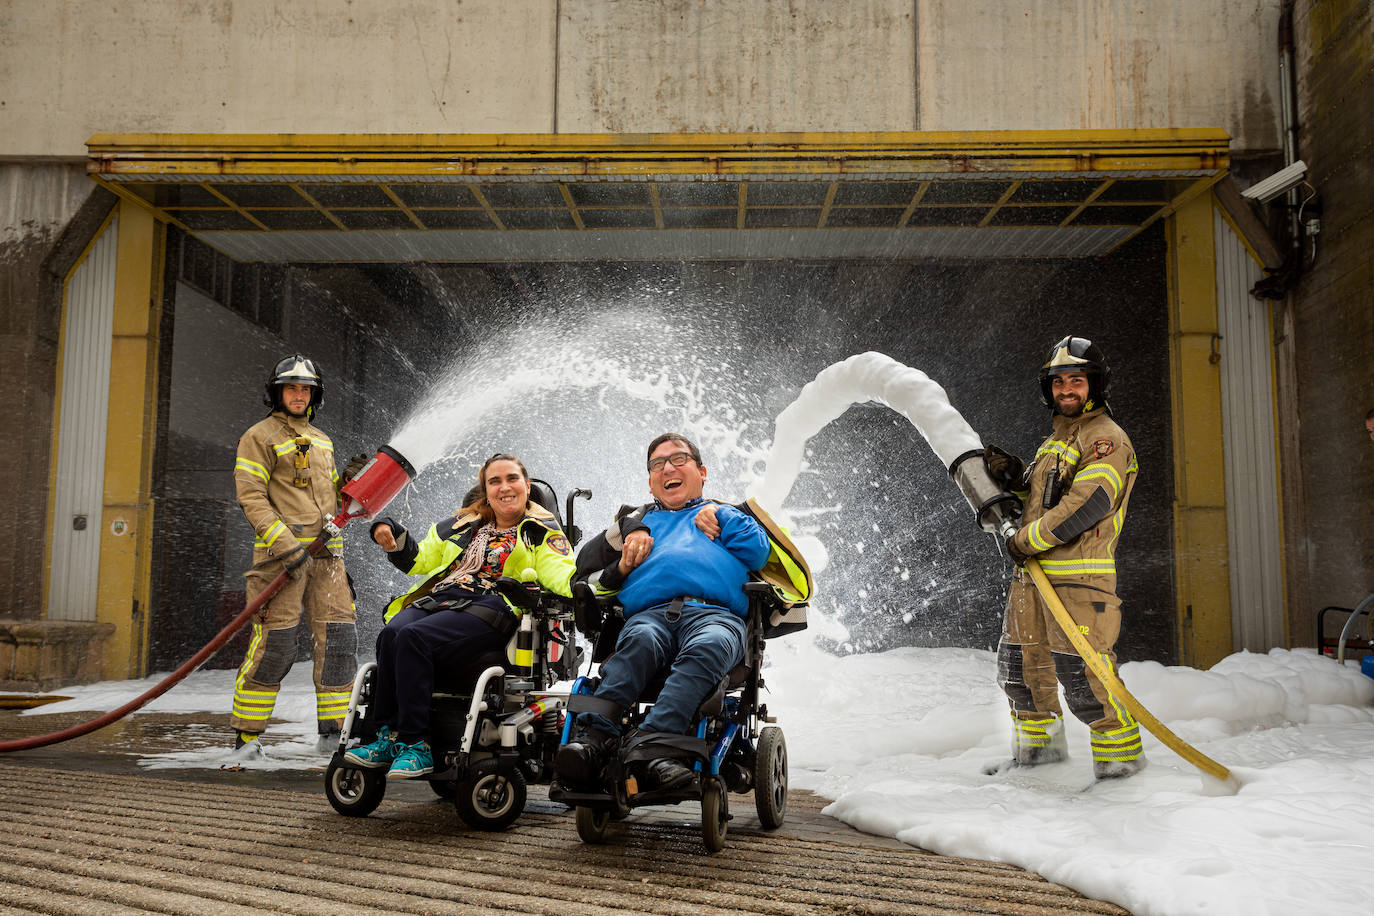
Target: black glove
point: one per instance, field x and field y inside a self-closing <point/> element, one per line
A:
<point x="1016" y="555"/>
<point x="355" y="464"/>
<point x="297" y="562"/>
<point x="1005" y="469"/>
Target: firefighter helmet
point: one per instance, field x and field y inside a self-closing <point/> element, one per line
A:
<point x="299" y="370"/>
<point x="1077" y="354"/>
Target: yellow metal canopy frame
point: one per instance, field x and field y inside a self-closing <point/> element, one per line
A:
<point x="532" y="196"/>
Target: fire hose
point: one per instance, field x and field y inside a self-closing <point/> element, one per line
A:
<point x="996" y="512"/>
<point x="367" y="493"/>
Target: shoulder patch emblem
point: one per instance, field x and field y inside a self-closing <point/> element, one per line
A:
<point x="1102" y="447"/>
<point x="558" y="543"/>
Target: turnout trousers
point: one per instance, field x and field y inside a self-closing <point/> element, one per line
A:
<point x="1035" y="656"/>
<point x="321" y="599"/>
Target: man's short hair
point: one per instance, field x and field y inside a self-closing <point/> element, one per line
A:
<point x="1370" y="415"/>
<point x="673" y="437"/>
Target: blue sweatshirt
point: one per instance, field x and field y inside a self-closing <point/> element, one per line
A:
<point x="685" y="562"/>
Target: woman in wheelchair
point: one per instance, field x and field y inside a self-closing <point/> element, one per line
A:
<point x="457" y="613"/>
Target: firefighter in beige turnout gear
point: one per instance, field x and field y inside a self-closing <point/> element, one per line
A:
<point x="287" y="486"/>
<point x="1075" y="494"/>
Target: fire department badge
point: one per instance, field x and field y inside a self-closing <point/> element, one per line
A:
<point x="559" y="544"/>
<point x="1102" y="447"/>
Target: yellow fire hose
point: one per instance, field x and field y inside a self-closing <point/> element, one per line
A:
<point x="1157" y="728"/>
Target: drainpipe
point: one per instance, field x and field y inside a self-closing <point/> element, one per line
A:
<point x="1288" y="92"/>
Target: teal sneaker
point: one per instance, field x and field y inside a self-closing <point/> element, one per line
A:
<point x="377" y="755"/>
<point x="415" y="760"/>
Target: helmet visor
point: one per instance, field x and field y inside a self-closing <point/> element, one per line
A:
<point x="296" y="369"/>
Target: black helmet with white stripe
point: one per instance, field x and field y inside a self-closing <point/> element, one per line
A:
<point x="298" y="370"/>
<point x="1077" y="354"/>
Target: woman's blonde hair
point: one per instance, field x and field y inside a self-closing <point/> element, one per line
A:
<point x="477" y="497"/>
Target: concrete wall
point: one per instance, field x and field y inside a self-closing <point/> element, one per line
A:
<point x="72" y="69"/>
<point x="43" y="229"/>
<point x="1331" y="558"/>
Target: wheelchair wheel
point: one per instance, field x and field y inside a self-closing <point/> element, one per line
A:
<point x="770" y="778"/>
<point x="592" y="824"/>
<point x="353" y="791"/>
<point x="492" y="798"/>
<point x="715" y="813"/>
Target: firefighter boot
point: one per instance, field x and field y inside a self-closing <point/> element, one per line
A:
<point x="247" y="746"/>
<point x="1118" y="769"/>
<point x="1033" y="742"/>
<point x="1117" y="753"/>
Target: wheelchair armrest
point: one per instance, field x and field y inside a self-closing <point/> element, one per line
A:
<point x="590" y="610"/>
<point x="517" y="593"/>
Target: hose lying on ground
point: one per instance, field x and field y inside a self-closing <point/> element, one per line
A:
<point x="166" y="684"/>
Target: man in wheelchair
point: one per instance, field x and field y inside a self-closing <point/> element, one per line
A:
<point x="678" y="568"/>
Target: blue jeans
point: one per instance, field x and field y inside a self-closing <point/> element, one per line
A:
<point x="701" y="644"/>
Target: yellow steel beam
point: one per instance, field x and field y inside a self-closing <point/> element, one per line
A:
<point x="953" y="153"/>
<point x="127" y="516"/>
<point x="1201" y="555"/>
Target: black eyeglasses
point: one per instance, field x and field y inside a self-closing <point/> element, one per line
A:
<point x="676" y="459"/>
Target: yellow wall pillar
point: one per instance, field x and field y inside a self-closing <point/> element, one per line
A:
<point x="1201" y="559"/>
<point x="126" y="521"/>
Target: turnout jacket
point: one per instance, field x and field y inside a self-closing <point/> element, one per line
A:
<point x="539" y="545"/>
<point x="268" y="468"/>
<point x="1096" y="469"/>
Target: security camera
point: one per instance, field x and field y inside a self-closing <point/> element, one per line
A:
<point x="1282" y="181"/>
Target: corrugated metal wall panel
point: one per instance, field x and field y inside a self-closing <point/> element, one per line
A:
<point x="83" y="412"/>
<point x="1247" y="412"/>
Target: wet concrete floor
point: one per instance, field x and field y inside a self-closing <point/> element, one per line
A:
<point x="89" y="830"/>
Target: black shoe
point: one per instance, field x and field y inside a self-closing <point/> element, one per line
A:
<point x="579" y="762"/>
<point x="666" y="775"/>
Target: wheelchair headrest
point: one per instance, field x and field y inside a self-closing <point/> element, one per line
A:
<point x="542" y="492"/>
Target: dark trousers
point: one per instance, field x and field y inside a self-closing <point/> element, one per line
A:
<point x="409" y="650"/>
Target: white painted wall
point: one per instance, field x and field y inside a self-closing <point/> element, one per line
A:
<point x="73" y="68"/>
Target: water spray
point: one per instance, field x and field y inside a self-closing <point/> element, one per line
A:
<point x="367" y="494"/>
<point x="910" y="392"/>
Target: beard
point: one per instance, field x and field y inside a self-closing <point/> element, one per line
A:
<point x="1069" y="408"/>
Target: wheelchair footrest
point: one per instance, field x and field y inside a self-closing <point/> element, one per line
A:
<point x="587" y="799"/>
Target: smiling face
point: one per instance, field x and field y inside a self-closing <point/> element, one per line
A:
<point x="507" y="489"/>
<point x="1070" y="392"/>
<point x="674" y="486"/>
<point x="1369" y="425"/>
<point x="295" y="397"/>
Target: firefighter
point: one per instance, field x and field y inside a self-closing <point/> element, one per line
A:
<point x="287" y="485"/>
<point x="1075" y="493"/>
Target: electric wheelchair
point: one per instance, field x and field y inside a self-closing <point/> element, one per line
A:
<point x="736" y="750"/>
<point x="495" y="725"/>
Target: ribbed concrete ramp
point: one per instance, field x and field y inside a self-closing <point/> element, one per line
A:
<point x="87" y="842"/>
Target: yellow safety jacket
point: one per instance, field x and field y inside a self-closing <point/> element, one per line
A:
<point x="1095" y="467"/>
<point x="539" y="545"/>
<point x="287" y="485"/>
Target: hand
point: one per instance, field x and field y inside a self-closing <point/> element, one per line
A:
<point x="1014" y="552"/>
<point x="384" y="536"/>
<point x="355" y="464"/>
<point x="707" y="522"/>
<point x="297" y="562"/>
<point x="1005" y="469"/>
<point x="638" y="545"/>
